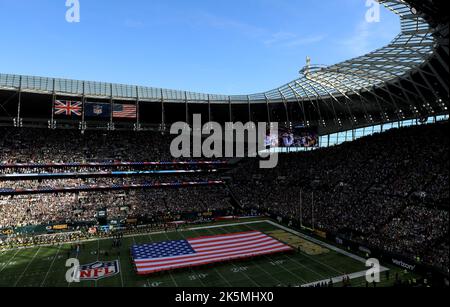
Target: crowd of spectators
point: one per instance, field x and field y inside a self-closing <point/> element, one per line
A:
<point x="157" y="204"/>
<point x="71" y="146"/>
<point x="101" y="181"/>
<point x="416" y="228"/>
<point x="389" y="190"/>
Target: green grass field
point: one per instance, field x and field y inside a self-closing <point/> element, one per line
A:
<point x="45" y="266"/>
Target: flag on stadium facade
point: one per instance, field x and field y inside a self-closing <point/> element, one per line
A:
<point x="125" y="111"/>
<point x="68" y="108"/>
<point x="170" y="255"/>
<point x="100" y="110"/>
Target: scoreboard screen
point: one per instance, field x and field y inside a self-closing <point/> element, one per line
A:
<point x="295" y="136"/>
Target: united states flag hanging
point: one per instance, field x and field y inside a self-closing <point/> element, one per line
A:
<point x="125" y="111"/>
<point x="68" y="108"/>
<point x="170" y="255"/>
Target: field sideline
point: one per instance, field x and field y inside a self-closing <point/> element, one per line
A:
<point x="44" y="266"/>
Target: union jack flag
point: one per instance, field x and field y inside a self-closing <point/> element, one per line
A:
<point x="68" y="108"/>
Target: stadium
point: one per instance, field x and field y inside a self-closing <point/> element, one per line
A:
<point x="91" y="194"/>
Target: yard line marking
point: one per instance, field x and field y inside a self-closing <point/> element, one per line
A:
<point x="121" y="276"/>
<point x="331" y="247"/>
<point x="218" y="273"/>
<point x="26" y="268"/>
<point x="322" y="263"/>
<point x="51" y="266"/>
<point x="320" y="275"/>
<point x="270" y="275"/>
<point x="313" y="240"/>
<point x="203" y="284"/>
<point x="245" y="274"/>
<point x="223" y="226"/>
<point x="170" y="273"/>
<point x="98" y="258"/>
<point x="307" y="268"/>
<point x="292" y="273"/>
<point x="9" y="261"/>
<point x="134" y="243"/>
<point x="78" y="254"/>
<point x="301" y="279"/>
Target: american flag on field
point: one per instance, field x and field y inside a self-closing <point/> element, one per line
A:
<point x="68" y="108"/>
<point x="125" y="111"/>
<point x="170" y="255"/>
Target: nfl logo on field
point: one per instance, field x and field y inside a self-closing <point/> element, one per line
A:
<point x="99" y="270"/>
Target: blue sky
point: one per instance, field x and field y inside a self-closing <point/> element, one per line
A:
<point x="214" y="46"/>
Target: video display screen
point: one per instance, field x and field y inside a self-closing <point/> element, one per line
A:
<point x="295" y="136"/>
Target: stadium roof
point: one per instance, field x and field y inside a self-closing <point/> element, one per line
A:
<point x="408" y="50"/>
<point x="409" y="75"/>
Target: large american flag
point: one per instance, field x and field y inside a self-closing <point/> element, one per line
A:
<point x="164" y="256"/>
<point x="68" y="108"/>
<point x="124" y="111"/>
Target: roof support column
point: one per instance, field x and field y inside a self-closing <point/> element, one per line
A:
<point x="163" y="120"/>
<point x="52" y="120"/>
<point x="300" y="105"/>
<point x="285" y="106"/>
<point x="18" y="121"/>
<point x="83" y="102"/>
<point x="138" y="114"/>
<point x="209" y="109"/>
<point x="268" y="110"/>
<point x="305" y="91"/>
<point x="230" y="110"/>
<point x="317" y="94"/>
<point x="111" y="101"/>
<point x="249" y="110"/>
<point x="186" y="109"/>
<point x="441" y="81"/>
<point x="346" y="97"/>
<point x="424" y="78"/>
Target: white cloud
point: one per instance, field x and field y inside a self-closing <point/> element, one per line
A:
<point x="288" y="39"/>
<point x="360" y="42"/>
<point x="265" y="36"/>
<point x="279" y="37"/>
<point x="229" y="24"/>
<point x="305" y="41"/>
